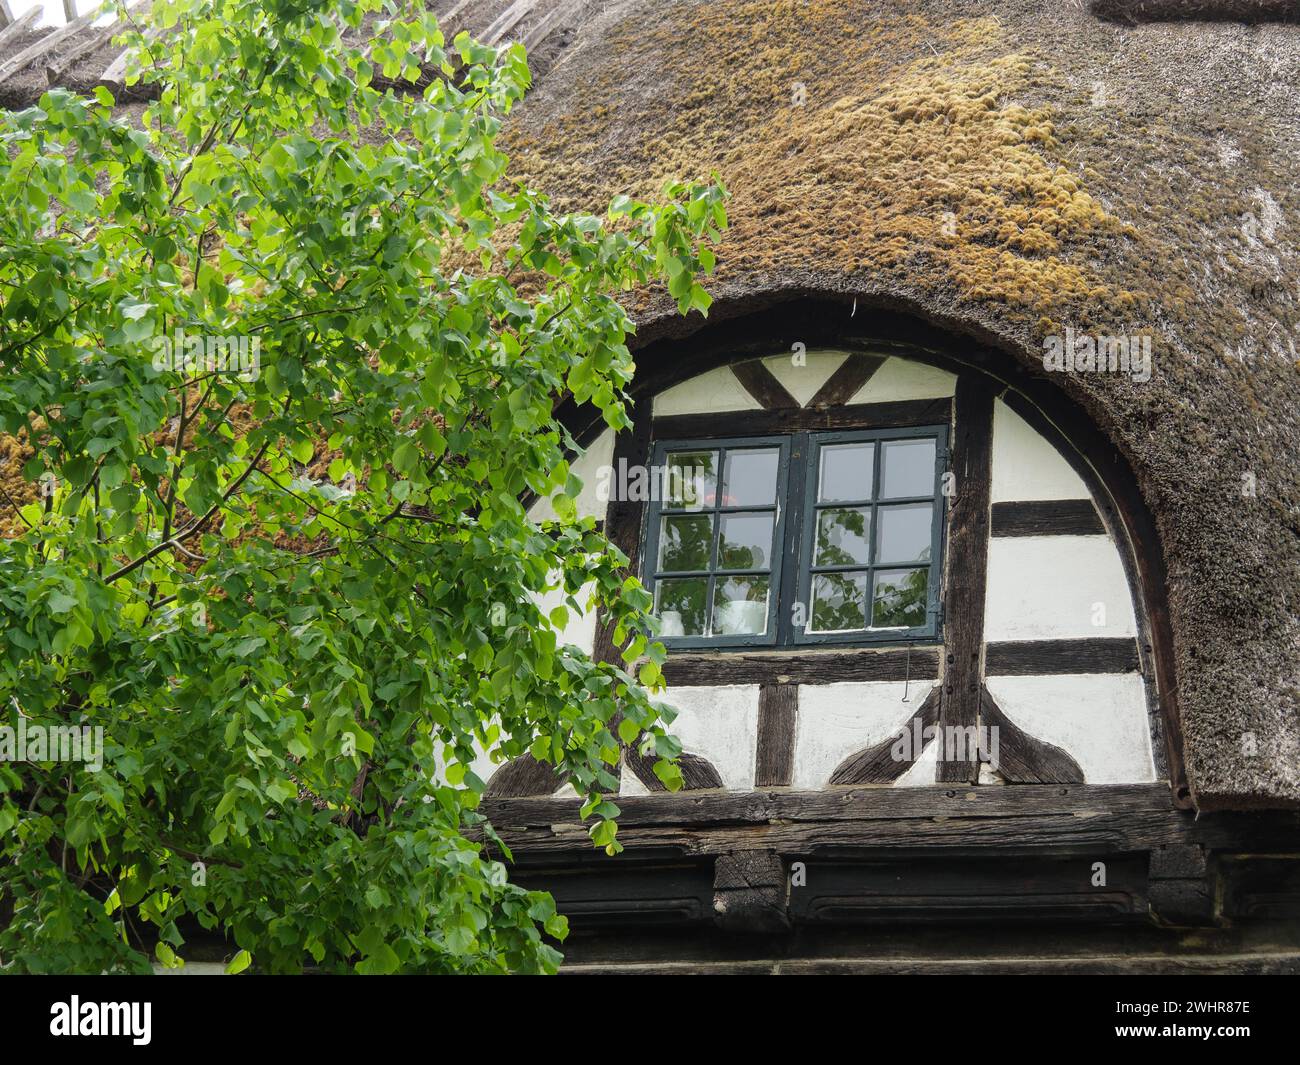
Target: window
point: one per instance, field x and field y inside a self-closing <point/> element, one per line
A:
<point x="827" y="537"/>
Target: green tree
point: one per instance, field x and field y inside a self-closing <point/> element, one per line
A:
<point x="289" y="574"/>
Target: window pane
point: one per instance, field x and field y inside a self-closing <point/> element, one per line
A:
<point x="900" y="598"/>
<point x="692" y="480"/>
<point x="904" y="533"/>
<point x="740" y="606"/>
<point x="746" y="541"/>
<point x="907" y="469"/>
<point x="685" y="542"/>
<point x="839" y="601"/>
<point x="680" y="606"/>
<point x="750" y="479"/>
<point x="843" y="536"/>
<point x="846" y="473"/>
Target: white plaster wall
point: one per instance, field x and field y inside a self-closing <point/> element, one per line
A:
<point x="900" y="379"/>
<point x="1099" y="719"/>
<point x="804" y="380"/>
<point x="719" y="724"/>
<point x="586" y="467"/>
<point x="922" y="773"/>
<point x="1045" y="588"/>
<point x="837" y="720"/>
<point x="482" y="766"/>
<point x="1026" y="466"/>
<point x="717" y="390"/>
<point x="581" y="628"/>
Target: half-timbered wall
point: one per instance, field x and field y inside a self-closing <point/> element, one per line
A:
<point x="1040" y="622"/>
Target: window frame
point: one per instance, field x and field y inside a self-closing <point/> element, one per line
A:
<point x="658" y="460"/>
<point x="796" y="490"/>
<point x="806" y="535"/>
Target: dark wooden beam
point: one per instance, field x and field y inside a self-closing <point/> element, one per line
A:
<point x="847" y="380"/>
<point x="806" y="667"/>
<point x="778" y="710"/>
<point x="1085" y="819"/>
<point x="698" y="774"/>
<point x="762" y="384"/>
<point x="1047" y="517"/>
<point x="899" y="414"/>
<point x="623" y="520"/>
<point x="1022" y="758"/>
<point x="967" y="565"/>
<point x="1033" y="658"/>
<point x="876" y="764"/>
<point x="522" y="777"/>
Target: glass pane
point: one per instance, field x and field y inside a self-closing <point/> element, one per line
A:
<point x="907" y="469"/>
<point x="843" y="536"/>
<point x="740" y="606"/>
<point x="746" y="541"/>
<point x="692" y="480"/>
<point x="685" y="542"/>
<point x="750" y="479"/>
<point x="900" y="598"/>
<point x="839" y="602"/>
<point x="680" y="606"/>
<point x="846" y="472"/>
<point x="904" y="533"/>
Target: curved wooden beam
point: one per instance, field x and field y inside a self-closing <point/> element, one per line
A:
<point x="523" y="777"/>
<point x="876" y="764"/>
<point x="698" y="773"/>
<point x="1022" y="759"/>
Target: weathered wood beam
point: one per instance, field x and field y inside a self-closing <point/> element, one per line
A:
<point x="804" y="667"/>
<point x="1022" y="758"/>
<point x="70" y="10"/>
<point x="847" y="380"/>
<point x="6" y="16"/>
<point x="1283" y="962"/>
<point x="1047" y="517"/>
<point x="1086" y="819"/>
<point x="507" y="21"/>
<point x="893" y="415"/>
<point x="34" y="51"/>
<point x="756" y="379"/>
<point x="1039" y="658"/>
<point x="555" y="18"/>
<point x="20" y="25"/>
<point x="522" y="777"/>
<point x="876" y="764"/>
<point x="448" y="21"/>
<point x="95" y="39"/>
<point x="778" y="710"/>
<point x="967" y="565"/>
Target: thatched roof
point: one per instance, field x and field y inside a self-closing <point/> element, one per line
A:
<point x="1120" y="180"/>
<point x="1110" y="177"/>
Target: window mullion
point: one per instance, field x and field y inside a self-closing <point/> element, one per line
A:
<point x="795" y="583"/>
<point x="876" y="453"/>
<point x="711" y="588"/>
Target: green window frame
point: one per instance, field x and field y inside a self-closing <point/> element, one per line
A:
<point x="856" y="521"/>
